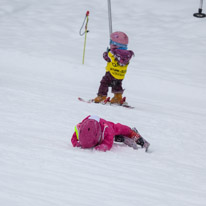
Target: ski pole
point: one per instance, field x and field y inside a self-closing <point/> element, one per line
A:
<point x="200" y="14"/>
<point x="85" y="22"/>
<point x="109" y="16"/>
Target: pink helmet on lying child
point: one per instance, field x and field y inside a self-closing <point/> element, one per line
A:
<point x="89" y="133"/>
<point x="119" y="40"/>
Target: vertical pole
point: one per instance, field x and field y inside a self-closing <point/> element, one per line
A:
<point x="200" y="14"/>
<point x="109" y="17"/>
<point x="201" y="4"/>
<point x="85" y="35"/>
<point x="85" y="39"/>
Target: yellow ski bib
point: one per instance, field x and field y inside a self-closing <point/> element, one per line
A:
<point x="117" y="71"/>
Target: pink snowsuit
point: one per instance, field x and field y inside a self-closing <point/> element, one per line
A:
<point x="109" y="130"/>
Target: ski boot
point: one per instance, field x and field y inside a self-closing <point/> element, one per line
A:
<point x="100" y="99"/>
<point x="139" y="139"/>
<point x="117" y="99"/>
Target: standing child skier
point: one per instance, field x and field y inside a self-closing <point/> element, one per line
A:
<point x="95" y="132"/>
<point x="117" y="58"/>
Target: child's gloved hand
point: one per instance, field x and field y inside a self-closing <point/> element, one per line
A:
<point x="105" y="56"/>
<point x="76" y="144"/>
<point x="102" y="147"/>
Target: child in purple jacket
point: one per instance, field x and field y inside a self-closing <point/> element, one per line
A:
<point x="117" y="58"/>
<point x="95" y="132"/>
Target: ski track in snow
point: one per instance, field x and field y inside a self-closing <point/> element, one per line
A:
<point x="41" y="77"/>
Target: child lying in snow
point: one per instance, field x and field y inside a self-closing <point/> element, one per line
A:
<point x="95" y="132"/>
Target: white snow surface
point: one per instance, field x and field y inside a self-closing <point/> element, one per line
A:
<point x="41" y="77"/>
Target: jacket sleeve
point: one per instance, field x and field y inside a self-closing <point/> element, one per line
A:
<point x="107" y="141"/>
<point x="105" y="56"/>
<point x="74" y="140"/>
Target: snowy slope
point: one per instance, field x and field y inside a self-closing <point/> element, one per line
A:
<point x="41" y="76"/>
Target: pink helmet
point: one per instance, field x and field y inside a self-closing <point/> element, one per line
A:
<point x="119" y="39"/>
<point x="89" y="133"/>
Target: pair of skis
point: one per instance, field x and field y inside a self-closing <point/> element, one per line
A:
<point x="107" y="102"/>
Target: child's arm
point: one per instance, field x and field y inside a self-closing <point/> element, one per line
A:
<point x="74" y="140"/>
<point x="105" y="145"/>
<point x="105" y="56"/>
<point x="108" y="138"/>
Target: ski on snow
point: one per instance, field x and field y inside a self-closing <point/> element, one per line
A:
<point x="107" y="102"/>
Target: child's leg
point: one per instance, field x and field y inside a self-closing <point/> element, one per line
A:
<point x="103" y="88"/>
<point x="117" y="86"/>
<point x="105" y="83"/>
<point x="121" y="129"/>
<point x="139" y="139"/>
<point x="117" y="90"/>
<point x="133" y="133"/>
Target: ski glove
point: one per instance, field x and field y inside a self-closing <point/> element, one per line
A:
<point x="102" y="147"/>
<point x="105" y="56"/>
